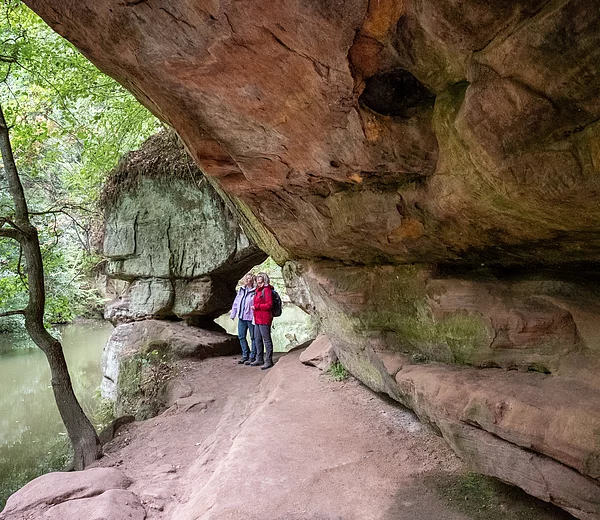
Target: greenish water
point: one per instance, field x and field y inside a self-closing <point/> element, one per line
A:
<point x="32" y="438"/>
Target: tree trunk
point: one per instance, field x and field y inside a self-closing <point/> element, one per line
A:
<point x="86" y="445"/>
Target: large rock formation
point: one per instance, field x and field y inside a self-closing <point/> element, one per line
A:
<point x="428" y="169"/>
<point x="170" y="235"/>
<point x="507" y="371"/>
<point x="181" y="252"/>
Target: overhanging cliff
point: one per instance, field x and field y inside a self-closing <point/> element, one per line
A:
<point x="428" y="170"/>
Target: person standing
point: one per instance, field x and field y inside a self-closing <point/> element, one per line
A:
<point x="263" y="317"/>
<point x="243" y="310"/>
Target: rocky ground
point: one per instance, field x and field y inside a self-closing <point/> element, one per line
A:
<point x="289" y="443"/>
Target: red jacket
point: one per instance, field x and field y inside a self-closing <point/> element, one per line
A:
<point x="263" y="303"/>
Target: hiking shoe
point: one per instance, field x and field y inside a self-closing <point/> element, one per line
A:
<point x="249" y="362"/>
<point x="265" y="366"/>
<point x="242" y="361"/>
<point x="256" y="363"/>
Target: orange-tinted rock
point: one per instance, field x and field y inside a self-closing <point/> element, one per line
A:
<point x="319" y="353"/>
<point x="268" y="99"/>
<point x="377" y="135"/>
<point x="50" y="491"/>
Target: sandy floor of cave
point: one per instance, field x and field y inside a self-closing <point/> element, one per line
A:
<point x="291" y="443"/>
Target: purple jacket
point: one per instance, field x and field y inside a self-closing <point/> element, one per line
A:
<point x="242" y="304"/>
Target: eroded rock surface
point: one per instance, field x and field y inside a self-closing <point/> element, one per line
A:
<point x="171" y="236"/>
<point x="137" y="361"/>
<point x="356" y="130"/>
<point x="95" y="494"/>
<point x="505" y="370"/>
<point x="320" y="353"/>
<point x="428" y="169"/>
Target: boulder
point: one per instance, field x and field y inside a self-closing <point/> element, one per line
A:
<point x="115" y="504"/>
<point x="171" y="236"/>
<point x="138" y="358"/>
<point x="42" y="494"/>
<point x="319" y="353"/>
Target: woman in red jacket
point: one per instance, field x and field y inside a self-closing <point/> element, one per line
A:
<point x="263" y="317"/>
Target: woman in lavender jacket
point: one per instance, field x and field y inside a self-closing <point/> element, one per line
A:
<point x="242" y="309"/>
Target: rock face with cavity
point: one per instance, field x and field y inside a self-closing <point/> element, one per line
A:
<point x="428" y="171"/>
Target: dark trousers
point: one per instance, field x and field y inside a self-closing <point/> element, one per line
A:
<point x="262" y="335"/>
<point x="245" y="326"/>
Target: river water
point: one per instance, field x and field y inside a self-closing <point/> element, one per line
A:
<point x="32" y="437"/>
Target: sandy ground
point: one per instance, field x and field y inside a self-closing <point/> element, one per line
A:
<point x="290" y="443"/>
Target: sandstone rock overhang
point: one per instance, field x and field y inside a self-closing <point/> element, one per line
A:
<point x="490" y="152"/>
<point x="378" y="134"/>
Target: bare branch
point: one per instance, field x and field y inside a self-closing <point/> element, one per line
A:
<point x="15" y="234"/>
<point x="12" y="313"/>
<point x="20" y="268"/>
<point x="7" y="220"/>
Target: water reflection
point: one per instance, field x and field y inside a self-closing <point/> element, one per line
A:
<point x="32" y="437"/>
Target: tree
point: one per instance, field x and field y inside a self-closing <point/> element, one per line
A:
<point x="18" y="227"/>
<point x="71" y="125"/>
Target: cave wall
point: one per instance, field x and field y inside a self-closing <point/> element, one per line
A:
<point x="505" y="368"/>
<point x="427" y="171"/>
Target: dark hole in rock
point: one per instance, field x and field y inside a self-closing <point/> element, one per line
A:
<point x="395" y="93"/>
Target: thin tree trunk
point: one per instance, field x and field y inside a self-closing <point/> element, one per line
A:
<point x="86" y="445"/>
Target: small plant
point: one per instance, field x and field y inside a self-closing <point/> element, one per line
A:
<point x="104" y="412"/>
<point x="156" y="371"/>
<point x="338" y="372"/>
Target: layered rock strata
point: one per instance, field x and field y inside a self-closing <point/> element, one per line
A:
<point x="459" y="137"/>
<point x="505" y="368"/>
<point x="180" y="250"/>
<point x="170" y="235"/>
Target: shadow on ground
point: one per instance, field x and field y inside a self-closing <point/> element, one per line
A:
<point x="481" y="498"/>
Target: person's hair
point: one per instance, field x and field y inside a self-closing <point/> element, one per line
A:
<point x="265" y="277"/>
<point x="251" y="276"/>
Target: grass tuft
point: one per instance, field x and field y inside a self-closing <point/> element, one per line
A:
<point x="337" y="372"/>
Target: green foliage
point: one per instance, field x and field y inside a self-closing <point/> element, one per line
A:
<point x="70" y="124"/>
<point x="142" y="378"/>
<point x="338" y="372"/>
<point x="25" y="464"/>
<point x="70" y="120"/>
<point x="104" y="412"/>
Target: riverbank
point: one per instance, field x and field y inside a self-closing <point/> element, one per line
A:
<point x="32" y="436"/>
<point x="238" y="442"/>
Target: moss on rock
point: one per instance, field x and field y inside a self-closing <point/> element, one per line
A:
<point x="142" y="377"/>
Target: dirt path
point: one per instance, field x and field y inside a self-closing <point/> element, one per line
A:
<point x="293" y="444"/>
